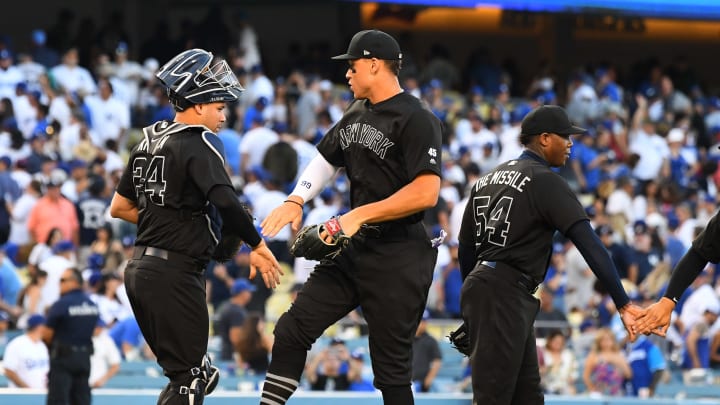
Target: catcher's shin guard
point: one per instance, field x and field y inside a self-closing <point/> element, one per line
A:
<point x="176" y="394"/>
<point x="211" y="375"/>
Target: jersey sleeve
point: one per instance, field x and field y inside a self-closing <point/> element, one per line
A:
<point x="468" y="231"/>
<point x="556" y="202"/>
<point x="126" y="186"/>
<point x="422" y="143"/>
<point x="330" y="148"/>
<point x="707" y="244"/>
<point x="206" y="162"/>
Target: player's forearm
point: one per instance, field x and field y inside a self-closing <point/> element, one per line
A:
<point x="121" y="207"/>
<point x="233" y="214"/>
<point x="466" y="258"/>
<point x="313" y="179"/>
<point x="687" y="269"/>
<point x="598" y="258"/>
<point x="420" y="194"/>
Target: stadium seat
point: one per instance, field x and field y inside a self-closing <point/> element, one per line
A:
<point x="136" y="382"/>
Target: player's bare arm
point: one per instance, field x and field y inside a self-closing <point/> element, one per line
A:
<point x="288" y="212"/>
<point x="656" y="318"/>
<point x="123" y="208"/>
<point x="317" y="173"/>
<point x="418" y="195"/>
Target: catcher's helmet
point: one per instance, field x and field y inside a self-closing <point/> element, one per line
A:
<point x="190" y="79"/>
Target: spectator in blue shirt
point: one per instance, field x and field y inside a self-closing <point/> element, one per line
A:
<point x="586" y="162"/>
<point x="10" y="285"/>
<point x="452" y="283"/>
<point x="648" y="365"/>
<point x="254" y="113"/>
<point x="231" y="141"/>
<point x="127" y="337"/>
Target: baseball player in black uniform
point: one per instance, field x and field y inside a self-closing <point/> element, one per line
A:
<point x="176" y="189"/>
<point x="505" y="247"/>
<point x="389" y="143"/>
<point x="705" y="248"/>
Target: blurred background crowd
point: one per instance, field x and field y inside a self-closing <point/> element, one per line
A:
<point x="74" y="102"/>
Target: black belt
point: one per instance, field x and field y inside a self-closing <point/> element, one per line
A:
<point x="63" y="349"/>
<point x="157" y="252"/>
<point x="513" y="275"/>
<point x="165" y="255"/>
<point x="393" y="230"/>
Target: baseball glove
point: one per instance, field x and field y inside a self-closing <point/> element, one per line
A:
<point x="230" y="242"/>
<point x="460" y="340"/>
<point x="227" y="248"/>
<point x="310" y="245"/>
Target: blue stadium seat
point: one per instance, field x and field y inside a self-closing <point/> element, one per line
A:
<point x="140" y="367"/>
<point x="136" y="382"/>
<point x="675" y="389"/>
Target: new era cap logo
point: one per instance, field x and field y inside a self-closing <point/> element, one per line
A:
<point x="366" y="53"/>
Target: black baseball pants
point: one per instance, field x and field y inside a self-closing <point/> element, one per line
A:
<point x="388" y="277"/>
<point x="168" y="300"/>
<point x="499" y="314"/>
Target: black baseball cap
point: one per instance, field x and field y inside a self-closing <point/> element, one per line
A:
<point x="370" y="44"/>
<point x="551" y="119"/>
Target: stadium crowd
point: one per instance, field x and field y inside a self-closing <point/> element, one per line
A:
<point x="71" y="107"/>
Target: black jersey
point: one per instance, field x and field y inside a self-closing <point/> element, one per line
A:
<point x="169" y="175"/>
<point x="384" y="146"/>
<point x="513" y="212"/>
<point x="708" y="242"/>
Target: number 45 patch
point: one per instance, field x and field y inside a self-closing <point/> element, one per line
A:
<point x="433" y="154"/>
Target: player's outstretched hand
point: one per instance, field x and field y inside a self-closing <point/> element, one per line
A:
<point x="287" y="212"/>
<point x="262" y="260"/>
<point x="629" y="314"/>
<point x="656" y="318"/>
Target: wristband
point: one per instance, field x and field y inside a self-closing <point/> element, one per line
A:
<point x="294" y="202"/>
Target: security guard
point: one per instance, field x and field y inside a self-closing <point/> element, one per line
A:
<point x="70" y="324"/>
